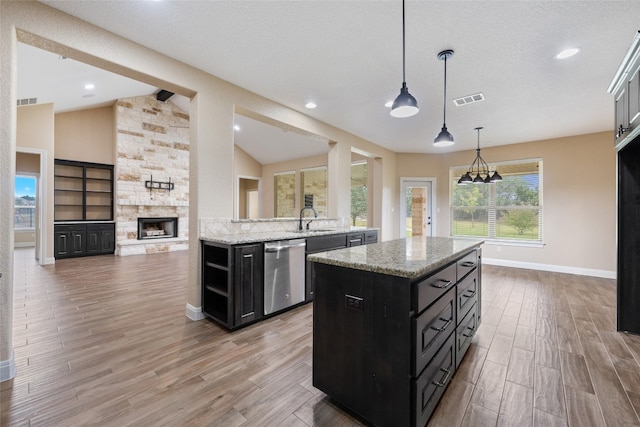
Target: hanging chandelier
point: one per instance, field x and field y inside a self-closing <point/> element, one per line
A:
<point x="480" y="169"/>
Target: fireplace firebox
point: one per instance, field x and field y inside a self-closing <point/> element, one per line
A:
<point x="157" y="228"/>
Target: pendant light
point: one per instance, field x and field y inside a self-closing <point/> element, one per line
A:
<point x="479" y="168"/>
<point x="444" y="138"/>
<point x="404" y="105"/>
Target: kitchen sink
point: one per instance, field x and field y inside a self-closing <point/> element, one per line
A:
<point x="316" y="230"/>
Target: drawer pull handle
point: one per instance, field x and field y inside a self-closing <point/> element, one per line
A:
<point x="468" y="264"/>
<point x="443" y="327"/>
<point x="444" y="380"/>
<point x="442" y="284"/>
<point x="470" y="334"/>
<point x="470" y="294"/>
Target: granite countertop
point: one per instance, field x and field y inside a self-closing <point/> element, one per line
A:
<point x="411" y="258"/>
<point x="269" y="236"/>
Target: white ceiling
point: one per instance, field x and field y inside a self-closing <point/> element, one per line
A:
<point x="346" y="56"/>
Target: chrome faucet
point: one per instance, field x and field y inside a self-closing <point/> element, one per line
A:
<point x="315" y="215"/>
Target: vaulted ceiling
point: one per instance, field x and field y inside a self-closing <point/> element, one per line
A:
<point x="346" y="56"/>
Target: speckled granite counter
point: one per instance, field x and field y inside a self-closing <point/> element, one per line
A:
<point x="410" y="258"/>
<point x="269" y="236"/>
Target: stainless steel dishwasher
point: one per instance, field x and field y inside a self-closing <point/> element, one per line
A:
<point x="284" y="265"/>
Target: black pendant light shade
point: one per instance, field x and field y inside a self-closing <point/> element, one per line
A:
<point x="444" y="138"/>
<point x="405" y="104"/>
<point x="480" y="169"/>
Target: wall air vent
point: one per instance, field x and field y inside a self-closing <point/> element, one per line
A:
<point x="27" y="101"/>
<point x="469" y="99"/>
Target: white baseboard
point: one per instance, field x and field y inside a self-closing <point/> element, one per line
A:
<point x="194" y="313"/>
<point x="49" y="261"/>
<point x="606" y="274"/>
<point x="8" y="368"/>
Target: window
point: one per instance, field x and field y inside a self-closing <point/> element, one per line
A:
<point x="359" y="194"/>
<point x="25" y="203"/>
<point x="284" y="184"/>
<point x="313" y="185"/>
<point x="510" y="210"/>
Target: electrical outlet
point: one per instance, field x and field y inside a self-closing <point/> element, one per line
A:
<point x="499" y="249"/>
<point x="244" y="227"/>
<point x="354" y="303"/>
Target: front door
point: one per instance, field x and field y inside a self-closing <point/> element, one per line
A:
<point x="415" y="207"/>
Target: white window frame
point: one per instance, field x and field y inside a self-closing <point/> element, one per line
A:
<point x="492" y="205"/>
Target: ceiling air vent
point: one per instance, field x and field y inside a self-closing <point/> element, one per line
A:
<point x="469" y="99"/>
<point x="27" y="101"/>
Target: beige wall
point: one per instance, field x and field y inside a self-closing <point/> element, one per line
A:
<point x="85" y="135"/>
<point x="579" y="198"/>
<point x="35" y="130"/>
<point x="28" y="162"/>
<point x="244" y="166"/>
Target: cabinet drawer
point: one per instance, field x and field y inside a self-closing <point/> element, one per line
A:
<point x="429" y="387"/>
<point x="431" y="288"/>
<point x="326" y="243"/>
<point x="467" y="294"/>
<point x="465" y="332"/>
<point x="466" y="264"/>
<point x="371" y="236"/>
<point x="432" y="328"/>
<point x="355" y="239"/>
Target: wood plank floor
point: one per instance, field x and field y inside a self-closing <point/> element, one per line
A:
<point x="104" y="341"/>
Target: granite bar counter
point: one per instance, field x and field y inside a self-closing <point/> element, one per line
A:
<point x="410" y="258"/>
<point x="391" y="323"/>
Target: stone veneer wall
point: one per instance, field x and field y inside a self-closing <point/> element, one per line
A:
<point x="152" y="140"/>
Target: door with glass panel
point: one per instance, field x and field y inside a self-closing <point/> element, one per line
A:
<point x="416" y="207"/>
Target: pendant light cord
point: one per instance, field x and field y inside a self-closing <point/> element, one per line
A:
<point x="444" y="98"/>
<point x="404" y="78"/>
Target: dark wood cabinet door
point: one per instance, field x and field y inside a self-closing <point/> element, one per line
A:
<point x="93" y="242"/>
<point x="78" y="242"/>
<point x="62" y="244"/>
<point x="248" y="292"/>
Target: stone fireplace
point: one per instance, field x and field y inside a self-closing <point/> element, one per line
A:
<point x="152" y="146"/>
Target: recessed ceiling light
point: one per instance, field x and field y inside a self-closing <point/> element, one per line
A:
<point x="567" y="53"/>
<point x="236" y="127"/>
<point x="388" y="104"/>
<point x="310" y="105"/>
<point x="89" y="86"/>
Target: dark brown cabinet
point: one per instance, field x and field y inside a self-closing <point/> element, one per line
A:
<point x="232" y="283"/>
<point x="387" y="347"/>
<point x="626" y="90"/>
<point x="69" y="240"/>
<point x="329" y="243"/>
<point x="100" y="239"/>
<point x="83" y="239"/>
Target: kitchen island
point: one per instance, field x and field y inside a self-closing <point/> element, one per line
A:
<point x="391" y="323"/>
